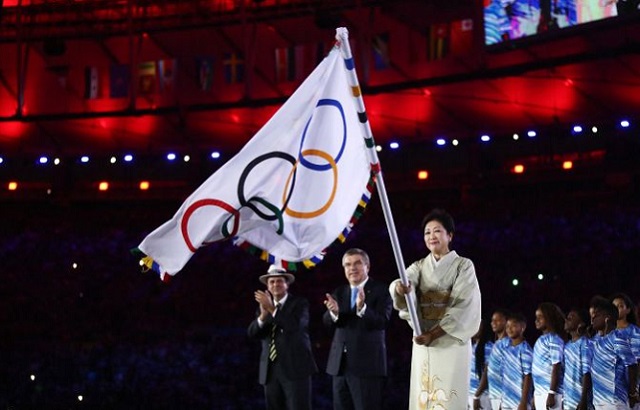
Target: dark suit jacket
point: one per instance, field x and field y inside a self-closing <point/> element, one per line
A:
<point x="364" y="338"/>
<point x="292" y="340"/>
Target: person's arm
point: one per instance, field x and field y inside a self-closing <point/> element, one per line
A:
<point x="526" y="391"/>
<point x="555" y="378"/>
<point x="633" y="385"/>
<point x="482" y="386"/>
<point x="429" y="336"/>
<point x="378" y="306"/>
<point x="584" y="395"/>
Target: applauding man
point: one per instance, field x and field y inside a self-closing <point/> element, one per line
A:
<point x="286" y="362"/>
<point x="359" y="313"/>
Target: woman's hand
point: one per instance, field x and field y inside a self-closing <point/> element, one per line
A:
<point x="424" y="339"/>
<point x="402" y="290"/>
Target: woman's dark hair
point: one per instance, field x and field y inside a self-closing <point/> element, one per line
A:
<point x="485" y="335"/>
<point x="604" y="305"/>
<point x="631" y="317"/>
<point x="554" y="317"/>
<point x="584" y="317"/>
<point x="441" y="216"/>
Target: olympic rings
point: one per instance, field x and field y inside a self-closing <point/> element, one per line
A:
<point x="277" y="213"/>
<point x="184" y="225"/>
<point x="326" y="167"/>
<point x="323" y="209"/>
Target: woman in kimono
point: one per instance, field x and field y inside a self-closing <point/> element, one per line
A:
<point x="448" y="298"/>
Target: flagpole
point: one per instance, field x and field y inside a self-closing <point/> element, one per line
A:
<point x="342" y="35"/>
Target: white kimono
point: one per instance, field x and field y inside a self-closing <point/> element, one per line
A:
<point x="448" y="295"/>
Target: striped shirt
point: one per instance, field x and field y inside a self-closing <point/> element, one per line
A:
<point x="548" y="351"/>
<point x="475" y="380"/>
<point x="611" y="356"/>
<point x="517" y="364"/>
<point x="494" y="367"/>
<point x="577" y="362"/>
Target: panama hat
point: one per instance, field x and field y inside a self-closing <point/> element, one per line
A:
<point x="276" y="272"/>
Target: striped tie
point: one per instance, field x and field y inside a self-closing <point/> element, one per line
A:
<point x="273" y="354"/>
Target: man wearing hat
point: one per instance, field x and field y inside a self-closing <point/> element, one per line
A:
<point x="286" y="361"/>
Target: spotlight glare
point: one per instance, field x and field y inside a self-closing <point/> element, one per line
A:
<point x="516" y="137"/>
<point x="103" y="186"/>
<point x="394" y="145"/>
<point x="378" y="148"/>
<point x="515" y="282"/>
<point x="12" y="186"/>
<point x="441" y="141"/>
<point x="485" y="138"/>
<point x="84" y="159"/>
<point x="128" y="158"/>
<point x="624" y="124"/>
<point x="577" y="129"/>
<point x="32" y="377"/>
<point x="113" y="160"/>
<point x="1" y="160"/>
<point x="422" y="175"/>
<point x="215" y="155"/>
<point x="518" y="169"/>
<point x="171" y="156"/>
<point x="594" y="129"/>
<point x="43" y="160"/>
<point x="531" y="134"/>
<point x="540" y="276"/>
<point x="187" y="158"/>
<point x="454" y="143"/>
<point x="567" y="165"/>
<point x="144" y="185"/>
<point x="56" y="161"/>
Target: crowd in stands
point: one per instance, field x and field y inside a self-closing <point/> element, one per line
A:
<point x="82" y="327"/>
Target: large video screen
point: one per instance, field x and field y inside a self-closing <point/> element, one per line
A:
<point x="507" y="20"/>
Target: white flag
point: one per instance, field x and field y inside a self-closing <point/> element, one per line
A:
<point x="290" y="192"/>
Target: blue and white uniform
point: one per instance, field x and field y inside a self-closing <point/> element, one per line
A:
<point x="611" y="356"/>
<point x="577" y="362"/>
<point x="547" y="352"/>
<point x="517" y="364"/>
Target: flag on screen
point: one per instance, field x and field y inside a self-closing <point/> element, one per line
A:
<point x="461" y="35"/>
<point x="167" y="75"/>
<point x="285" y="64"/>
<point x="233" y="68"/>
<point x="381" y="51"/>
<point x="147" y="78"/>
<point x="294" y="189"/>
<point x="438" y="41"/>
<point x="91" y="82"/>
<point x="119" y="80"/>
<point x="204" y="72"/>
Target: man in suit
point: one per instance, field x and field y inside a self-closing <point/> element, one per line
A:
<point x="359" y="312"/>
<point x="286" y="361"/>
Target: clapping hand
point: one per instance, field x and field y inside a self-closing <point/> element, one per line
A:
<point x="332" y="304"/>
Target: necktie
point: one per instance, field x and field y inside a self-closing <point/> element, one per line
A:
<point x="354" y="296"/>
<point x="273" y="354"/>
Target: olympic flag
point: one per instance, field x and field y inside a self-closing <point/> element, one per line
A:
<point x="296" y="187"/>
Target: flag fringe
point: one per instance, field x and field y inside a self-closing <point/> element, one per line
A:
<point x="291" y="266"/>
<point x="148" y="264"/>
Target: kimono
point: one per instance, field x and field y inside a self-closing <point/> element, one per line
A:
<point x="448" y="295"/>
